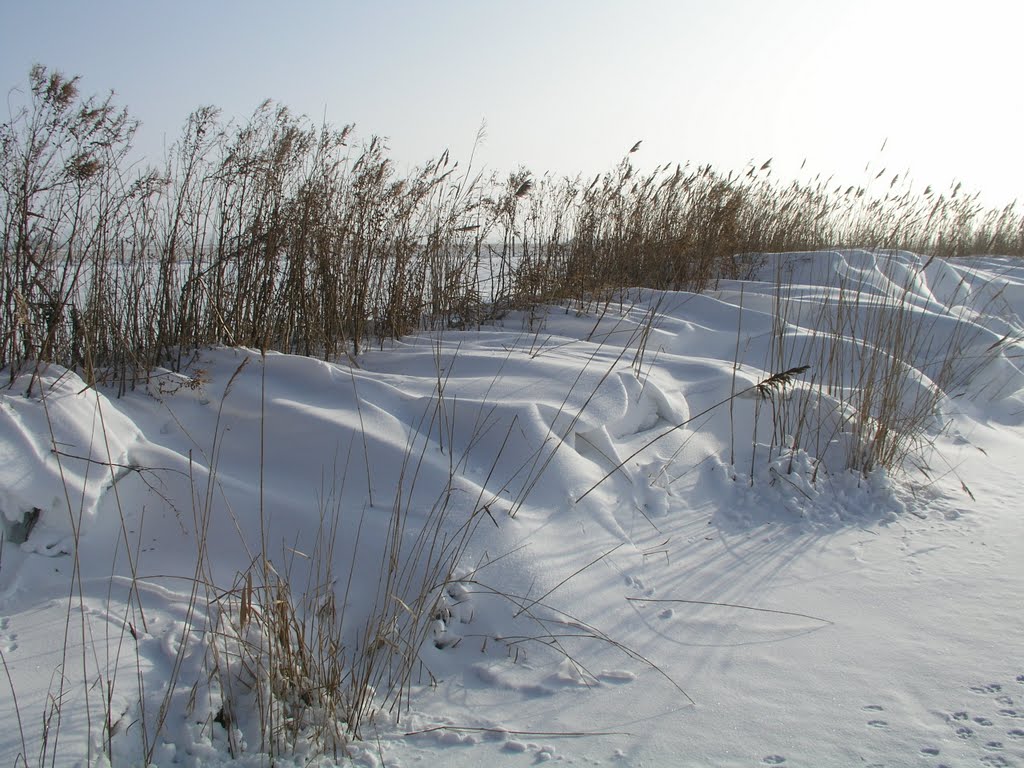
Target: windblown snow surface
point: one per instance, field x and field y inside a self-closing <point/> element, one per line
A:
<point x="742" y="603"/>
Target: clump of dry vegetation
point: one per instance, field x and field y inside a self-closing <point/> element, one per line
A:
<point x="879" y="365"/>
<point x="280" y="234"/>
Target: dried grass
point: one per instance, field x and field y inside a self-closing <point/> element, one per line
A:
<point x="276" y="233"/>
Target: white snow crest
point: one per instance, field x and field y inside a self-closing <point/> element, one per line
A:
<point x="62" y="445"/>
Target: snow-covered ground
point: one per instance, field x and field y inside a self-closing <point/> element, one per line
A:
<point x="718" y="599"/>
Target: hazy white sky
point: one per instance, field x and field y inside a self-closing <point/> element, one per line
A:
<point x="569" y="85"/>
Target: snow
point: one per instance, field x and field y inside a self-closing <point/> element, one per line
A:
<point x="715" y="602"/>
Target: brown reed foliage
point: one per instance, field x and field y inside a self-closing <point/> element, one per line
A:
<point x="276" y="233"/>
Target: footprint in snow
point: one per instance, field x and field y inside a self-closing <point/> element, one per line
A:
<point x="499" y="677"/>
<point x="877" y="722"/>
<point x="986" y="689"/>
<point x="773" y="760"/>
<point x="996" y="761"/>
<point x="9" y="642"/>
<point x="453" y="608"/>
<point x="49" y="544"/>
<point x="635" y="582"/>
<point x="978" y="729"/>
<point x="616" y="676"/>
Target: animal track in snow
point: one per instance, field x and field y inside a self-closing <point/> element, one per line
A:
<point x="637" y="583"/>
<point x="616" y="676"/>
<point x="876" y="722"/>
<point x="982" y="729"/>
<point x="996" y="761"/>
<point x="541" y="752"/>
<point x="985" y="689"/>
<point x="454" y="607"/>
<point x="8" y="642"/>
<point x="774" y="760"/>
<point x="497" y="676"/>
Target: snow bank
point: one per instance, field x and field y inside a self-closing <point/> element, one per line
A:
<point x="663" y="555"/>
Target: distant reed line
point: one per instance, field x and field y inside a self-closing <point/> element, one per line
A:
<point x="281" y="234"/>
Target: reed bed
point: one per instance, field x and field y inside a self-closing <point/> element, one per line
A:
<point x="277" y="233"/>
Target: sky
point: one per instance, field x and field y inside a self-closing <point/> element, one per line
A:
<point x="568" y="86"/>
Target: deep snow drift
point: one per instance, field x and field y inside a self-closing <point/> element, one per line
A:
<point x="729" y="593"/>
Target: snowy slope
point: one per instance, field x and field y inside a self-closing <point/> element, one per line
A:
<point x="630" y="593"/>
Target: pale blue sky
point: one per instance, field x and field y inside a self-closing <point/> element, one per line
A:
<point x="569" y="85"/>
